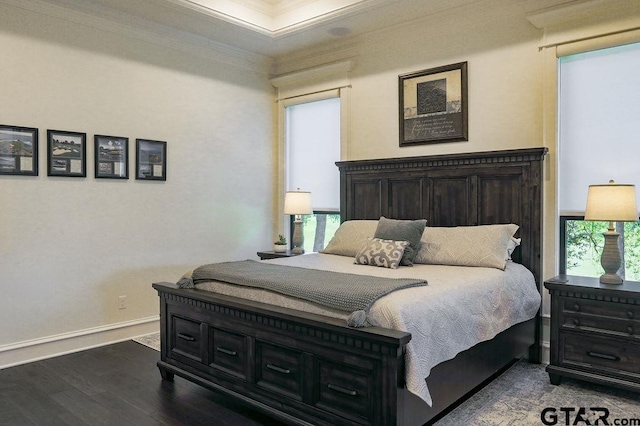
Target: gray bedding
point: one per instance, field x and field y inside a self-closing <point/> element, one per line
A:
<point x="342" y="291"/>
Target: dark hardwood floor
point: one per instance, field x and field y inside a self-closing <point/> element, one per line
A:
<point x="112" y="385"/>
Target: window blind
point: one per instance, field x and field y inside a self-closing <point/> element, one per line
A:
<point x="599" y="108"/>
<point x="313" y="147"/>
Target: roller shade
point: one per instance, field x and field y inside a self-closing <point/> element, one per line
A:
<point x="313" y="147"/>
<point x="599" y="111"/>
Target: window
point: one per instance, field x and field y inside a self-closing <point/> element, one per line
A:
<point x="312" y="141"/>
<point x="582" y="242"/>
<point x="319" y="228"/>
<point x="597" y="142"/>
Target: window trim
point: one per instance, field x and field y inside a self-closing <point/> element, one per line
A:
<point x="562" y="247"/>
<point x="309" y="85"/>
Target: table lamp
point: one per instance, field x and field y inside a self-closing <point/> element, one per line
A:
<point x="297" y="203"/>
<point x="611" y="202"/>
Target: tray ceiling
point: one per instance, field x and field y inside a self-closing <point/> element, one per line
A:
<point x="269" y="27"/>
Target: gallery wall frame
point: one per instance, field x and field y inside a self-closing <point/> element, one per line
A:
<point x="151" y="159"/>
<point x="18" y="150"/>
<point x="66" y="153"/>
<point x="111" y="157"/>
<point x="434" y="105"/>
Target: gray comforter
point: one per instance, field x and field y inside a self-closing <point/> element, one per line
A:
<point x="346" y="292"/>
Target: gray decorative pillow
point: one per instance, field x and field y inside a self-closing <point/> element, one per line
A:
<point x="350" y="236"/>
<point x="482" y="245"/>
<point x="402" y="230"/>
<point x="379" y="252"/>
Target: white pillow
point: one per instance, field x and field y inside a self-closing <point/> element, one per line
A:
<point x="483" y="245"/>
<point x="350" y="236"/>
<point x="511" y="246"/>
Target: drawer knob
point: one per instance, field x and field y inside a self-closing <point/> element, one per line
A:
<point x="342" y="390"/>
<point x="576" y="322"/>
<point x="603" y="356"/>
<point x="226" y="351"/>
<point x="278" y="369"/>
<point x="186" y="337"/>
<point x="630" y="314"/>
<point x="630" y="330"/>
<point x="576" y="307"/>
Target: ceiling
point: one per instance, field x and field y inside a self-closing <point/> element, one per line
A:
<point x="266" y="27"/>
<point x="275" y="28"/>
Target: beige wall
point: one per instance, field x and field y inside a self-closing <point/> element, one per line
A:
<point x="504" y="68"/>
<point x="500" y="47"/>
<point x="70" y="246"/>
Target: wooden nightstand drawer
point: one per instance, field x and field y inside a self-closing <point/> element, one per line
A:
<point x="345" y="390"/>
<point x="279" y="369"/>
<point x="587" y="322"/>
<point x="228" y="352"/>
<point x="602" y="309"/>
<point x="610" y="356"/>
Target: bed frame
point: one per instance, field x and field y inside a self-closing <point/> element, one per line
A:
<point x="307" y="369"/>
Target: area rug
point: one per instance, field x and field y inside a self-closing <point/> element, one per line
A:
<point x="151" y="340"/>
<point x="523" y="396"/>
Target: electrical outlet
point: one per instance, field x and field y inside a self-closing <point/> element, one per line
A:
<point x="122" y="302"/>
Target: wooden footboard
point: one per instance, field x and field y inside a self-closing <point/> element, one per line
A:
<point x="307" y="369"/>
<point x="300" y="368"/>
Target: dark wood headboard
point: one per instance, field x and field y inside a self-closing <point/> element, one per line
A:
<point x="477" y="188"/>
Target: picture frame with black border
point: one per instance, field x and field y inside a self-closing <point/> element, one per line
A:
<point x="66" y="153"/>
<point x="151" y="159"/>
<point x="434" y="105"/>
<point x="111" y="157"/>
<point x="18" y="150"/>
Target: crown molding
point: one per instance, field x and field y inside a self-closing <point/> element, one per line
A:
<point x="108" y="20"/>
<point x="582" y="11"/>
<point x="196" y="7"/>
<point x="322" y="18"/>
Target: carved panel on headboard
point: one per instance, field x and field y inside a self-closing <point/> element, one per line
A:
<point x="452" y="190"/>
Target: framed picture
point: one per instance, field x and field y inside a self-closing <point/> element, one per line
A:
<point x="433" y="105"/>
<point x="111" y="157"/>
<point x="151" y="159"/>
<point x="67" y="153"/>
<point x="18" y="151"/>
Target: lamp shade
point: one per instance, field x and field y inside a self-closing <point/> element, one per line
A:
<point x="611" y="202"/>
<point x="297" y="202"/>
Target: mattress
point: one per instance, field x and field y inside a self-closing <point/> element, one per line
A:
<point x="460" y="306"/>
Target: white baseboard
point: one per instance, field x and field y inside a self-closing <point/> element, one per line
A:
<point x="65" y="343"/>
<point x="545" y="353"/>
<point x="546" y="325"/>
<point x="60" y="344"/>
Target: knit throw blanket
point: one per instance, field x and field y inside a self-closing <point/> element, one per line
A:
<point x="345" y="292"/>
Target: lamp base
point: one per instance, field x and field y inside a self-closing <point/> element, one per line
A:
<point x="611" y="279"/>
<point x="298" y="237"/>
<point x="611" y="258"/>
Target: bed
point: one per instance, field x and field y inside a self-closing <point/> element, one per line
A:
<point x="310" y="368"/>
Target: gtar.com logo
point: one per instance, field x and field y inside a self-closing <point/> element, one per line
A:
<point x="575" y="416"/>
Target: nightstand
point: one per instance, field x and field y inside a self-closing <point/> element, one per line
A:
<point x="595" y="331"/>
<point x="274" y="255"/>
